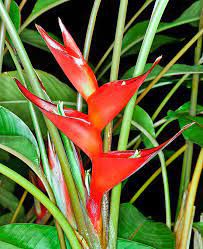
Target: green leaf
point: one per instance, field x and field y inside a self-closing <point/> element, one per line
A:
<point x="40" y="7"/>
<point x="136" y="34"/>
<point x="134" y="226"/>
<point x="33" y="38"/>
<point x="12" y="99"/>
<point x="142" y="118"/>
<point x="17" y="139"/>
<point x="14" y="13"/>
<point x="128" y="244"/>
<point x="195" y="132"/>
<point x="199" y="227"/>
<point x="177" y="69"/>
<point x="7" y="184"/>
<point x="159" y="41"/>
<point x="30" y="236"/>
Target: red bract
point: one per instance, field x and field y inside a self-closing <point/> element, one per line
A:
<point x="71" y="61"/>
<point x="107" y="101"/>
<point x="111" y="168"/>
<point x="74" y="124"/>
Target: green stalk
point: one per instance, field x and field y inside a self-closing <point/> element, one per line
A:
<point x="190" y="201"/>
<point x="135" y="16"/>
<point x="108" y="130"/>
<point x="39" y="195"/>
<point x="187" y="162"/>
<point x="40" y="141"/>
<point x="52" y="129"/>
<point x="88" y="41"/>
<point x="7" y="4"/>
<point x="126" y="123"/>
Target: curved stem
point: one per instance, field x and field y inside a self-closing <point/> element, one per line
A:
<point x="45" y="201"/>
<point x="7" y="4"/>
<point x="163" y="170"/>
<point x="190" y="201"/>
<point x="159" y="8"/>
<point x="136" y="15"/>
<point x="156" y="174"/>
<point x="88" y="41"/>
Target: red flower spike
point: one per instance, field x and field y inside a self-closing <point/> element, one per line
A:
<point x="71" y="61"/>
<point x="74" y="125"/>
<point x="111" y="98"/>
<point x="111" y="168"/>
<point x="58" y="185"/>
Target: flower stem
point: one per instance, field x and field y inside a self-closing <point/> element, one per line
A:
<point x="7" y="4"/>
<point x="187" y="162"/>
<point x="190" y="201"/>
<point x="157" y="173"/>
<point x="52" y="129"/>
<point x="15" y="215"/>
<point x="125" y="127"/>
<point x="108" y="130"/>
<point x="88" y="41"/>
<point x="45" y="201"/>
<point x="135" y="16"/>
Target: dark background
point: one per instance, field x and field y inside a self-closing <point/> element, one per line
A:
<point x="75" y="15"/>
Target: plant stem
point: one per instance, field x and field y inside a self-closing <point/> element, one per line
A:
<point x="88" y="41"/>
<point x="187" y="162"/>
<point x="168" y="96"/>
<point x="157" y="173"/>
<point x="52" y="129"/>
<point x="15" y="215"/>
<point x="125" y="127"/>
<point x="170" y="64"/>
<point x="190" y="201"/>
<point x="135" y="16"/>
<point x="45" y="201"/>
<point x="22" y="4"/>
<point x="7" y="4"/>
<point x="108" y="130"/>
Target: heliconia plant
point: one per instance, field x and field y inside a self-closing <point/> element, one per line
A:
<point x="76" y="174"/>
<point x="85" y="129"/>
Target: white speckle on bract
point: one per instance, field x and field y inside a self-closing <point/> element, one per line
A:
<point x="123" y="83"/>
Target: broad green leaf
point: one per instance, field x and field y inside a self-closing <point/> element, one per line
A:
<point x="12" y="98"/>
<point x="17" y="139"/>
<point x="30" y="236"/>
<point x="134" y="226"/>
<point x="128" y="244"/>
<point x="142" y="118"/>
<point x="195" y="132"/>
<point x="159" y="41"/>
<point x="177" y="69"/>
<point x="199" y="227"/>
<point x="40" y="7"/>
<point x="33" y="38"/>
